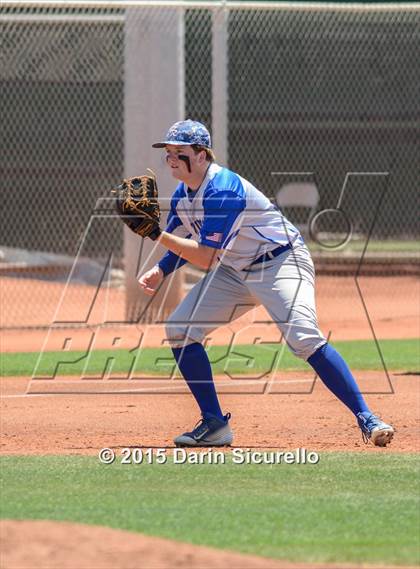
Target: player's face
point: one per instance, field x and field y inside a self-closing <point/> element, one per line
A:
<point x="183" y="161"/>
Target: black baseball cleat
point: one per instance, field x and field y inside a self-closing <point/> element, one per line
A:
<point x="210" y="431"/>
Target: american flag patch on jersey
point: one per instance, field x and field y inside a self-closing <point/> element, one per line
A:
<point x="216" y="237"/>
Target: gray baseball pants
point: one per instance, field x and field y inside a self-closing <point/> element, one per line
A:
<point x="285" y="286"/>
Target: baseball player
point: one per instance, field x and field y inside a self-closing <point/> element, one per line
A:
<point x="221" y="222"/>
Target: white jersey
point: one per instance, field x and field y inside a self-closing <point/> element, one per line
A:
<point x="228" y="213"/>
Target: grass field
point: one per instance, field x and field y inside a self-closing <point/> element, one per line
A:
<point x="375" y="246"/>
<point x="246" y="359"/>
<point x="347" y="508"/>
<point x="361" y="508"/>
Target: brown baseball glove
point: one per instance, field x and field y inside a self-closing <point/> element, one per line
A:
<point x="137" y="204"/>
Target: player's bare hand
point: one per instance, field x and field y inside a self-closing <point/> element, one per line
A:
<point x="151" y="280"/>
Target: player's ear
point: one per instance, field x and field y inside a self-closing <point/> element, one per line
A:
<point x="203" y="156"/>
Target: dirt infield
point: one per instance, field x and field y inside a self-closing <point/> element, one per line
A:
<point x="35" y="544"/>
<point x="390" y="306"/>
<point x="77" y="420"/>
<point x="285" y="414"/>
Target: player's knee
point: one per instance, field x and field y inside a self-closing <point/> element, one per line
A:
<point x="179" y="334"/>
<point x="175" y="332"/>
<point x="304" y="346"/>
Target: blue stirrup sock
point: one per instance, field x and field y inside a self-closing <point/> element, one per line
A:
<point x="194" y="365"/>
<point x="335" y="373"/>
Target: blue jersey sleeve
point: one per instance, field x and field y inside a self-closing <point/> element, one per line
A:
<point x="170" y="263"/>
<point x="221" y="210"/>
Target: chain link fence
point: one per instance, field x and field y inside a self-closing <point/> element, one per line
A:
<point x="312" y="94"/>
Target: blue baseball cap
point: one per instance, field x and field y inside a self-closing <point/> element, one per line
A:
<point x="186" y="133"/>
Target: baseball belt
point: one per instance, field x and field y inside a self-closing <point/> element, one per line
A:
<point x="271" y="254"/>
